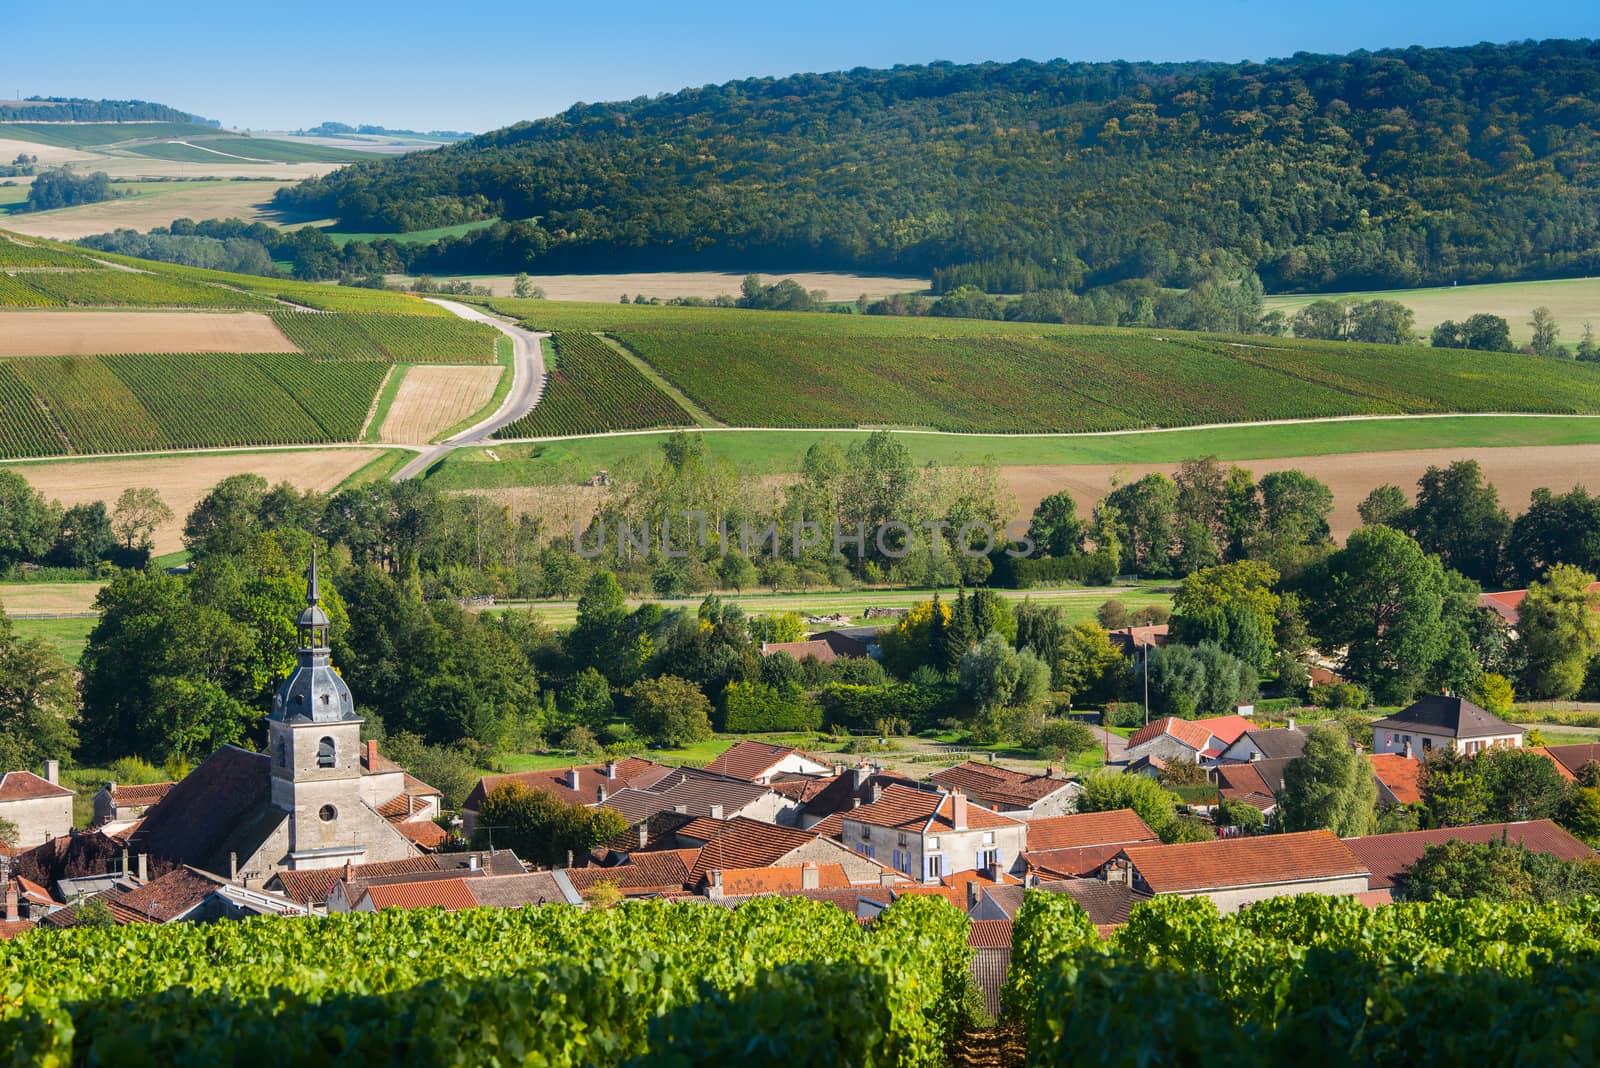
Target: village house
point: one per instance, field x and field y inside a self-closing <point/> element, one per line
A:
<point x="182" y="895"/>
<point x="121" y="802"/>
<point x="1442" y="721"/>
<point x="1507" y="604"/>
<point x="39" y="806"/>
<point x="1233" y="872"/>
<point x="1134" y="641"/>
<point x="581" y="784"/>
<point x="1199" y="740"/>
<point x="699" y="793"/>
<point x="311" y="887"/>
<point x="1017" y="794"/>
<point x="1390" y="856"/>
<point x="826" y="646"/>
<point x="925" y="835"/>
<point x="1078" y="846"/>
<point x="847" y="788"/>
<point x="759" y="762"/>
<point x="1570" y="760"/>
<point x="1399" y="778"/>
<point x="1266" y="743"/>
<point x="1106" y="903"/>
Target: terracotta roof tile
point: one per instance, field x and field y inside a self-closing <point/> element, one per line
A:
<point x="702" y="828"/>
<point x="830" y="827"/>
<point x="166" y="898"/>
<point x="26" y="786"/>
<point x="1389" y="855"/>
<point x="425" y="833"/>
<point x="141" y="794"/>
<point x="747" y="843"/>
<point x="745" y="882"/>
<point x="1573" y="758"/>
<point x="449" y="894"/>
<point x="312" y="887"/>
<point x="989" y="934"/>
<point x="1079" y="862"/>
<point x="1190" y="867"/>
<point x="1194" y="733"/>
<point x="1105" y="903"/>
<point x="9" y="929"/>
<point x="515" y="891"/>
<point x="750" y="759"/>
<point x="1400" y="774"/>
<point x="995" y="783"/>
<point x="904" y="808"/>
<point x="1088" y="829"/>
<point x="636" y="772"/>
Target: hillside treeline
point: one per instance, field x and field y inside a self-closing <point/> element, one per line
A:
<point x="76" y="109"/>
<point x="1373" y="170"/>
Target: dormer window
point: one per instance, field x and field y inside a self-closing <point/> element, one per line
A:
<point x="325" y="756"/>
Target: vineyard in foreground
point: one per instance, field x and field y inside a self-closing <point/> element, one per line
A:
<point x="671" y="984"/>
<point x="803" y="370"/>
<point x="594" y="388"/>
<point x="52" y="406"/>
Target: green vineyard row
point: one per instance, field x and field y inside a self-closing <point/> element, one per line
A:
<point x="52" y="406"/>
<point x="15" y="255"/>
<point x="651" y="983"/>
<point x="592" y="389"/>
<point x="103" y="288"/>
<point x="393" y="338"/>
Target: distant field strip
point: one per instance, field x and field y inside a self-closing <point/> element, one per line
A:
<point x="88" y="135"/>
<point x="790" y="370"/>
<point x="102" y="288"/>
<point x="78" y="333"/>
<point x="52" y="406"/>
<point x="394" y="338"/>
<point x="433" y="399"/>
<point x="592" y="389"/>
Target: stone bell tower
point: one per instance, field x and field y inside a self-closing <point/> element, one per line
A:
<point x="314" y="744"/>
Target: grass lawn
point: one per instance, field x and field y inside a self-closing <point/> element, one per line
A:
<point x="1076" y="603"/>
<point x="760" y="452"/>
<point x="697" y="755"/>
<point x="48" y="598"/>
<point x="69" y="636"/>
<point x="1572" y="300"/>
<point x="385" y="401"/>
<point x="412" y="237"/>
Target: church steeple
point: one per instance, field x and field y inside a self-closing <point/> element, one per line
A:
<point x="314" y="691"/>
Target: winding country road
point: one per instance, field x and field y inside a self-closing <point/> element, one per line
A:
<point x="527" y="383"/>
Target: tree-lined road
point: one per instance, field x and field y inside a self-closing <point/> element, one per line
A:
<point x="527" y="383"/>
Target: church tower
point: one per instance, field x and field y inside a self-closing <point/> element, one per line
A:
<point x="314" y="745"/>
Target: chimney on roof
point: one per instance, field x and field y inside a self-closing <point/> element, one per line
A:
<point x="991" y="756"/>
<point x="716" y="812"/>
<point x="52" y="771"/>
<point x="838" y="770"/>
<point x="572" y="778"/>
<point x="681" y="809"/>
<point x="972" y="894"/>
<point x="11" y="901"/>
<point x="233" y="867"/>
<point x="887" y="878"/>
<point x="372" y="755"/>
<point x="125" y="868"/>
<point x="349" y="870"/>
<point x="714" y="884"/>
<point x="144" y="867"/>
<point x="958" y="810"/>
<point x="611" y="769"/>
<point x="644" y="834"/>
<point x="1407" y="752"/>
<point x="1291" y="723"/>
<point x="860" y="774"/>
<point x="876" y="790"/>
<point x="600" y="793"/>
<point x="810" y="875"/>
<point x="1053" y="772"/>
<point x="992" y="872"/>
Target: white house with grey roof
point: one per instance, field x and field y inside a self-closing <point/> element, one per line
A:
<point x="1442" y="721"/>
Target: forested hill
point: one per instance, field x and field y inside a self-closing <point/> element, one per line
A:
<point x="1374" y="169"/>
<point x="73" y="109"/>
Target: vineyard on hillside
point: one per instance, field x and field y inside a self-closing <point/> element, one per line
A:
<point x="593" y="389"/>
<point x="669" y="983"/>
<point x="15" y="255"/>
<point x="52" y="406"/>
<point x="750" y="368"/>
<point x="103" y="288"/>
<point x="395" y="338"/>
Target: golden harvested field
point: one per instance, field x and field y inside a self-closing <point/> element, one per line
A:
<point x="10" y="149"/>
<point x="48" y="598"/>
<point x="91" y="333"/>
<point x="668" y="284"/>
<point x="555" y="507"/>
<point x="250" y="201"/>
<point x="1515" y="472"/>
<point x="1572" y="301"/>
<point x="434" y="399"/>
<point x="183" y="480"/>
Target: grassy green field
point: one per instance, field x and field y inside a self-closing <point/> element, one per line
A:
<point x="758" y="452"/>
<point x="773" y="369"/>
<point x="413" y="237"/>
<point x="1076" y="603"/>
<point x="69" y="636"/>
<point x="1572" y="300"/>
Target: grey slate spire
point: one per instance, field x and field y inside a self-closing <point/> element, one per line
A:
<point x="314" y="691"/>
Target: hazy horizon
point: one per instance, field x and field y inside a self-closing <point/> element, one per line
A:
<point x="401" y="65"/>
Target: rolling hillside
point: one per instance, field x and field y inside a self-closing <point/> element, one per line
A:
<point x="1372" y="170"/>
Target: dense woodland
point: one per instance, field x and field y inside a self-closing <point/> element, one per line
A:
<point x="1376" y="169"/>
<point x="77" y="109"/>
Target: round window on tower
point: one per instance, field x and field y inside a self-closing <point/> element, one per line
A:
<point x="328" y="813"/>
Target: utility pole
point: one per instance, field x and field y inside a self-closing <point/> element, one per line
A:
<point x="1147" y="684"/>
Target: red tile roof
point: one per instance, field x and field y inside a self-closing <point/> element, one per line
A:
<point x="664" y="868"/>
<point x="1132" y="640"/>
<point x="1244" y="782"/>
<point x="749" y="760"/>
<point x="1389" y="855"/>
<point x="1507" y="604"/>
<point x="1088" y="829"/>
<point x="747" y="843"/>
<point x="830" y="826"/>
<point x="906" y="809"/>
<point x="9" y="929"/>
<point x="826" y="647"/>
<point x="1194" y="733"/>
<point x="747" y="882"/>
<point x="1572" y="758"/>
<point x="448" y="894"/>
<point x="1227" y="863"/>
<point x="26" y="786"/>
<point x="989" y="934"/>
<point x="425" y="833"/>
<point x="1401" y="774"/>
<point x="172" y="895"/>
<point x="143" y="794"/>
<point x="991" y="782"/>
<point x="312" y="887"/>
<point x="636" y="772"/>
<point x="1081" y="862"/>
<point x="515" y="891"/>
<point x="804" y="788"/>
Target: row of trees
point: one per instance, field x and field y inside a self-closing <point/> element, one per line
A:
<point x="40" y="532"/>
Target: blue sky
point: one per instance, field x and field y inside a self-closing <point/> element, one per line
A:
<point x="401" y="63"/>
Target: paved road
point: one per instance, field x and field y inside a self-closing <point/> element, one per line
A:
<point x="527" y="383"/>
